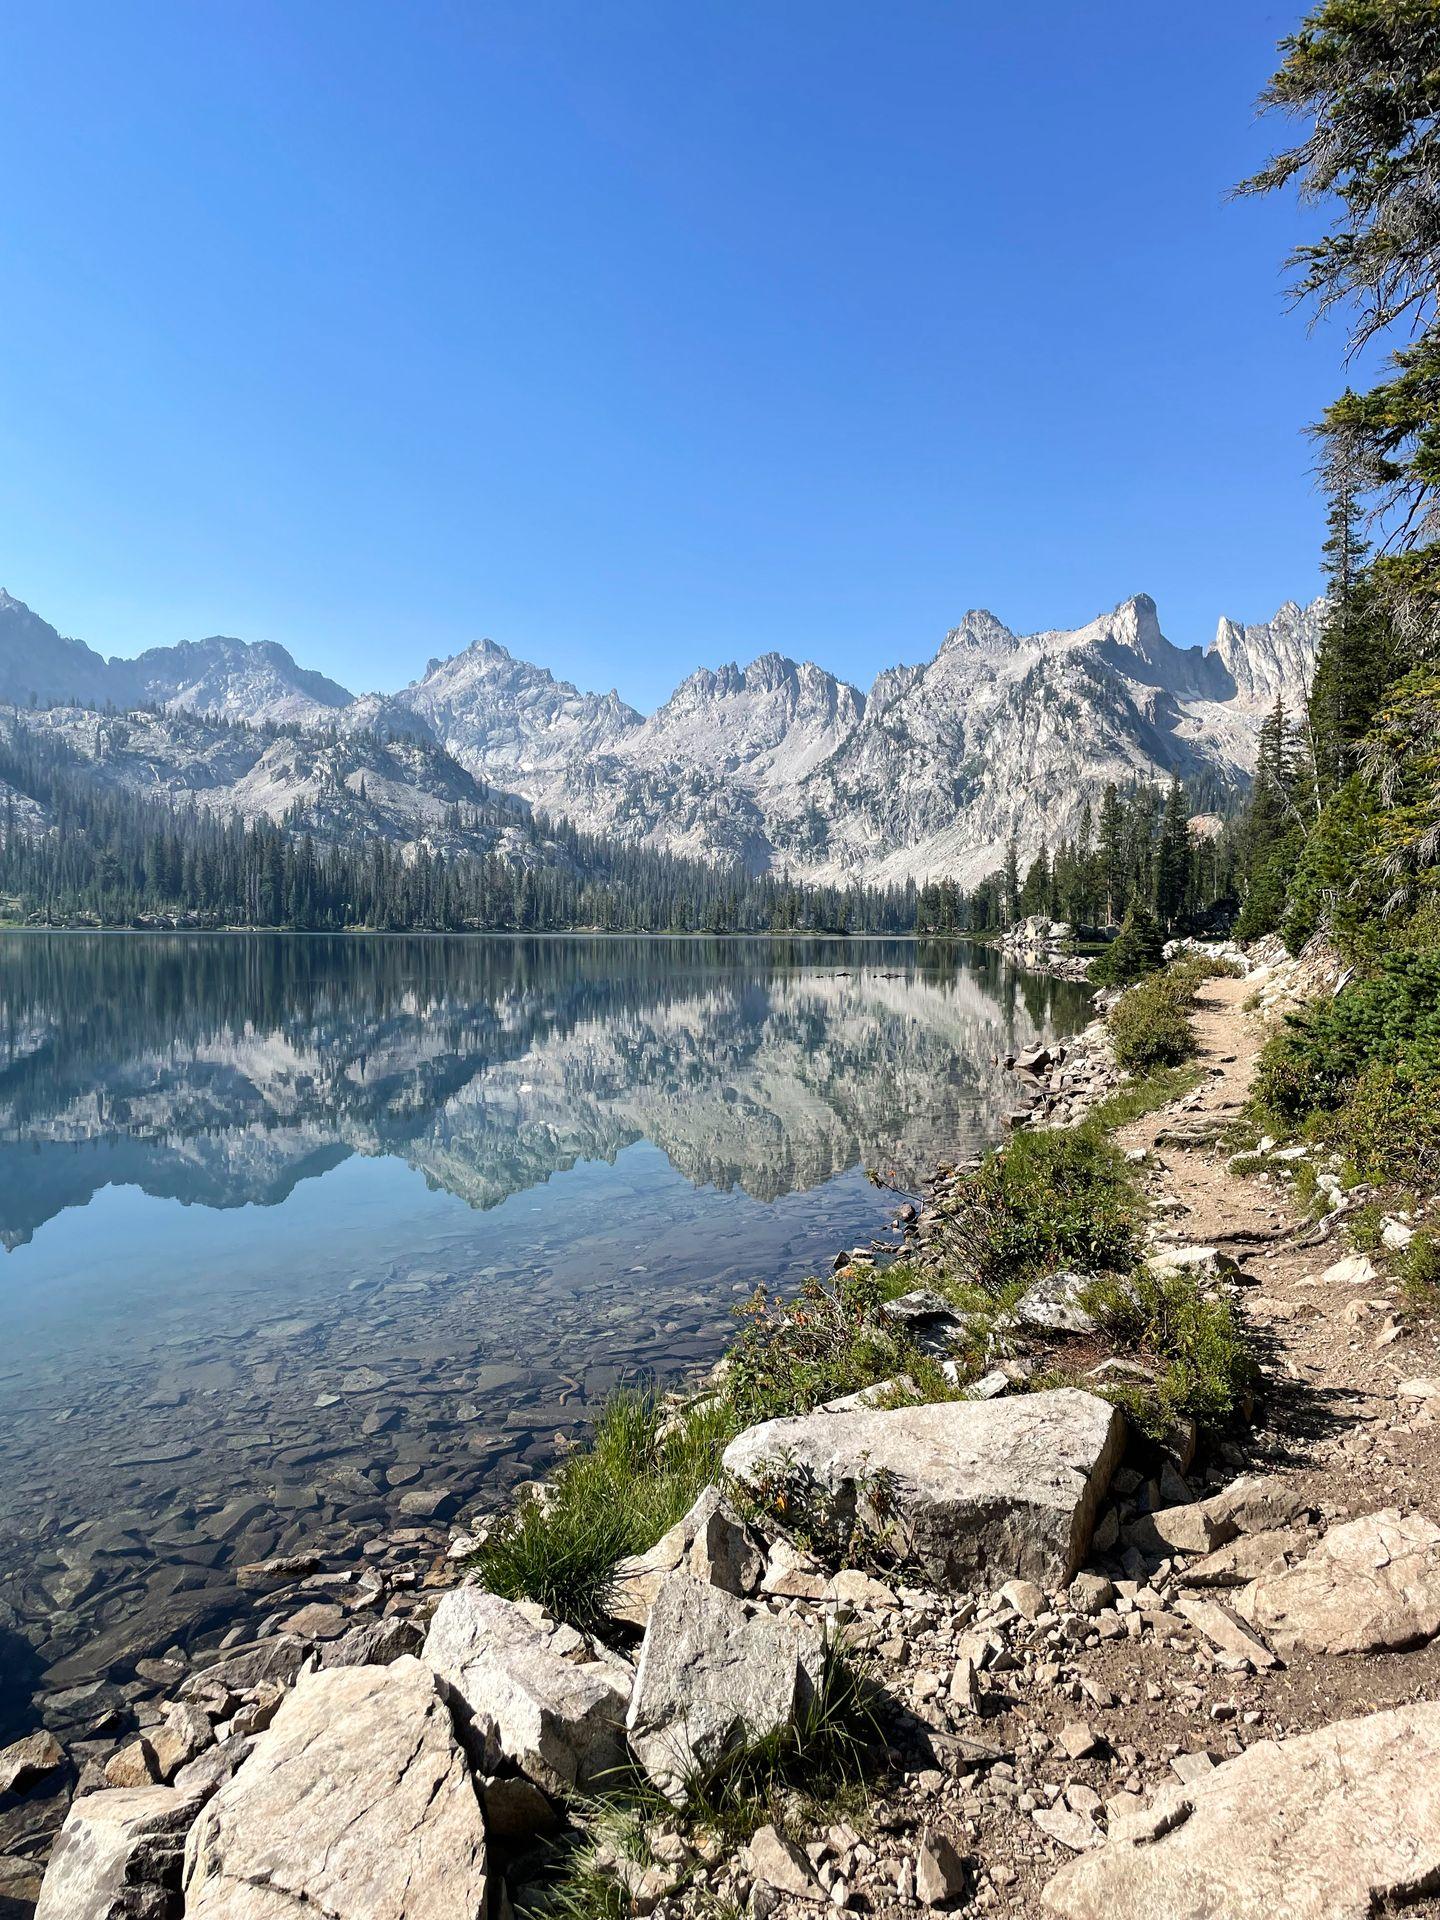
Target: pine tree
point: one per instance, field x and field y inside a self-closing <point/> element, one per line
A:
<point x="1172" y="859"/>
<point x="1136" y="949"/>
<point x="1111" y="854"/>
<point x="1011" y="907"/>
<point x="1035" y="894"/>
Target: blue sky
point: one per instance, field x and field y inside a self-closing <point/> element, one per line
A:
<point x="646" y="334"/>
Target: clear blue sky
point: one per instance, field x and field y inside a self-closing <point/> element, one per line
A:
<point x="641" y="334"/>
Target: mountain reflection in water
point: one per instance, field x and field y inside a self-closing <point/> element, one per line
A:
<point x="314" y="1243"/>
<point x="222" y="1071"/>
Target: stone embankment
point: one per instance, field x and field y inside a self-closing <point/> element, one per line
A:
<point x="1044" y="946"/>
<point x="1114" y="1678"/>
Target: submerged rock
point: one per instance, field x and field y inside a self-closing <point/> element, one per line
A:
<point x="974" y="1491"/>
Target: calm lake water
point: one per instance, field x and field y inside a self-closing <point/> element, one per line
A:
<point x="296" y="1230"/>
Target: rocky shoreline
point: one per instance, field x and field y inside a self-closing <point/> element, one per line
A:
<point x="1042" y="945"/>
<point x="1155" y="1668"/>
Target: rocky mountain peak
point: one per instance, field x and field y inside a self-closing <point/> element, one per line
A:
<point x="777" y="764"/>
<point x="1273" y="659"/>
<point x="979" y="632"/>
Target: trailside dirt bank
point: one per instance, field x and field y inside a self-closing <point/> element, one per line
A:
<point x="1347" y="1427"/>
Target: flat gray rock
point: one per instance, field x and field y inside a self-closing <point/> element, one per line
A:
<point x="375" y="1644"/>
<point x="1257" y="1503"/>
<point x="279" y="1659"/>
<point x="118" y="1856"/>
<point x="975" y="1491"/>
<point x="356" y="1803"/>
<point x="714" y="1677"/>
<point x="1370" y="1584"/>
<point x="531" y="1687"/>
<point x="1332" y="1825"/>
<point x="1052" y="1305"/>
<point x="931" y="1322"/>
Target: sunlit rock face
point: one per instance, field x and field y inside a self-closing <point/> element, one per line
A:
<point x="784" y="767"/>
<point x="777" y="765"/>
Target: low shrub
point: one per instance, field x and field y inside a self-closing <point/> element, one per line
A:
<point x="1365" y="1226"/>
<point x="1313" y="1064"/>
<point x="1135" y="951"/>
<point x="1150" y="1024"/>
<point x="1150" y="1028"/>
<point x="1362" y="1070"/>
<point x="1389" y="1129"/>
<point x="1050" y="1199"/>
<point x="830" y="1339"/>
<point x="1203" y="1361"/>
<point x="1419" y="1267"/>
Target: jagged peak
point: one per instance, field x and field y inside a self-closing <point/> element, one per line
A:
<point x="1288" y="614"/>
<point x="1137" y="619"/>
<point x="980" y="629"/>
<point x="768" y="672"/>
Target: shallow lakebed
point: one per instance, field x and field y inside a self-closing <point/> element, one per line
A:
<point x="308" y="1240"/>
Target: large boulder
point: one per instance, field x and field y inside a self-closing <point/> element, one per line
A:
<point x="1370" y="1584"/>
<point x="119" y="1856"/>
<point x="975" y="1491"/>
<point x="714" y="1677"/>
<point x="25" y="1761"/>
<point x="1331" y="1825"/>
<point x="357" y="1803"/>
<point x="534" y="1691"/>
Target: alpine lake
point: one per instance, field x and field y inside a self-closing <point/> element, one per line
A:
<point x="308" y="1243"/>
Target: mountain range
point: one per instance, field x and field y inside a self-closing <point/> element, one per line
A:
<point x="778" y="765"/>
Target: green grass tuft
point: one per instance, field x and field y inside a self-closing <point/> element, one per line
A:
<point x="637" y="1476"/>
<point x="1141" y="1096"/>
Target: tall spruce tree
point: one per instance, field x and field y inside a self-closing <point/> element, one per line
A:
<point x="1111" y="850"/>
<point x="1172" y="858"/>
<point x="1363" y="78"/>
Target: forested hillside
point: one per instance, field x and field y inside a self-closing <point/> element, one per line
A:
<point x="76" y="847"/>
